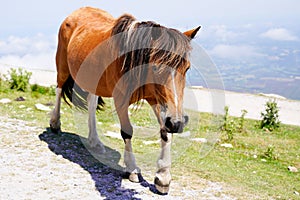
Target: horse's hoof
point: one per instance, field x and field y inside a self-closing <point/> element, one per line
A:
<point x="134" y="177"/>
<point x="55" y="130"/>
<point x="162" y="188"/>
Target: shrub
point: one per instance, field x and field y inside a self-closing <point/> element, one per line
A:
<point x="228" y="126"/>
<point x="270" y="118"/>
<point x="269" y="154"/>
<point x="19" y="79"/>
<point x="38" y="89"/>
<point x="242" y="121"/>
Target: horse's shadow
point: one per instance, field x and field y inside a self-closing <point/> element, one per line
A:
<point x="107" y="176"/>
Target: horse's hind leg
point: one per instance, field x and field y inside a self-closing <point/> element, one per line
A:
<point x="93" y="138"/>
<point x="63" y="73"/>
<point x="55" y="116"/>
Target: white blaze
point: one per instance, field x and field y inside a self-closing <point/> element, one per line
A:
<point x="175" y="93"/>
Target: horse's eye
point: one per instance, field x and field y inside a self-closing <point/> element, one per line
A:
<point x="154" y="68"/>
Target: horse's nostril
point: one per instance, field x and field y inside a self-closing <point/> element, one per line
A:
<point x="173" y="127"/>
<point x="168" y="123"/>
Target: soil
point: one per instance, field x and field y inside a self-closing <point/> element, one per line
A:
<point x="38" y="164"/>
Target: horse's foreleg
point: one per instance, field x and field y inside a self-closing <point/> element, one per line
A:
<point x="93" y="138"/>
<point x="130" y="163"/>
<point x="163" y="176"/>
<point x="126" y="132"/>
<point x="55" y="116"/>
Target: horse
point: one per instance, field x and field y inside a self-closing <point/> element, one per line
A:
<point x="102" y="56"/>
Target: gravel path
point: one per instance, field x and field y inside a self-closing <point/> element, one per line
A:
<point x="36" y="164"/>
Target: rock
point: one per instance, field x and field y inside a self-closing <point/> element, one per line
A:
<point x="5" y="101"/>
<point x="42" y="107"/>
<point x="226" y="145"/>
<point x="201" y="140"/>
<point x="292" y="169"/>
<point x="113" y="135"/>
<point x="20" y="99"/>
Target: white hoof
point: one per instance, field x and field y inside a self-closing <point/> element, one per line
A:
<point x="162" y="181"/>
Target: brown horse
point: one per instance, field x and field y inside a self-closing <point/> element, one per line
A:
<point x="100" y="56"/>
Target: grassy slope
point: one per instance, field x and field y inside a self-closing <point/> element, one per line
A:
<point x="241" y="167"/>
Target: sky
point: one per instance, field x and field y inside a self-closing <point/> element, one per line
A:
<point x="232" y="30"/>
<point x="28" y="17"/>
<point x="29" y="28"/>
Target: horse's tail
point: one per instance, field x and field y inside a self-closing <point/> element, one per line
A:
<point x="73" y="94"/>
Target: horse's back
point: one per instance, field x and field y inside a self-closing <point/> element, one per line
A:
<point x="85" y="18"/>
<point x="79" y="34"/>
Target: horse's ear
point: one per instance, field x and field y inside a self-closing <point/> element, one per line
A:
<point x="192" y="33"/>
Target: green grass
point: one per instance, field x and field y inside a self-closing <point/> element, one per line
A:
<point x="240" y="167"/>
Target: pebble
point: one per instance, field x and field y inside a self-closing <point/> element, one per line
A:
<point x="113" y="135"/>
<point x="5" y="101"/>
<point x="226" y="145"/>
<point x="20" y="99"/>
<point x="201" y="140"/>
<point x="42" y="107"/>
<point x="22" y="106"/>
<point x="292" y="169"/>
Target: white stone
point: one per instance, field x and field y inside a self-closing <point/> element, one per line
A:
<point x="226" y="145"/>
<point x="113" y="135"/>
<point x="22" y="106"/>
<point x="42" y="107"/>
<point x="292" y="169"/>
<point x="201" y="140"/>
<point x="5" y="100"/>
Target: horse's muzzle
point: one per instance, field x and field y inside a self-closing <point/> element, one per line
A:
<point x="175" y="126"/>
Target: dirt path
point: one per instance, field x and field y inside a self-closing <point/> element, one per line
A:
<point x="36" y="164"/>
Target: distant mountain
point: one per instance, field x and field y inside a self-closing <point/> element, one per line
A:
<point x="255" y="62"/>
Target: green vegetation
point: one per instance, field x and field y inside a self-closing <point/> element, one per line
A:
<point x="232" y="125"/>
<point x="270" y="118"/>
<point x="256" y="166"/>
<point x="19" y="79"/>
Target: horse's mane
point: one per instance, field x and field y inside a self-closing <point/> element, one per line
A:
<point x="144" y="43"/>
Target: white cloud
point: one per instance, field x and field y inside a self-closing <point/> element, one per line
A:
<point x="30" y="52"/>
<point x="235" y="51"/>
<point x="42" y="61"/>
<point x="279" y="34"/>
<point x="220" y="33"/>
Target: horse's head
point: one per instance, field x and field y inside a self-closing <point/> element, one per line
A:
<point x="170" y="62"/>
<point x="155" y="63"/>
